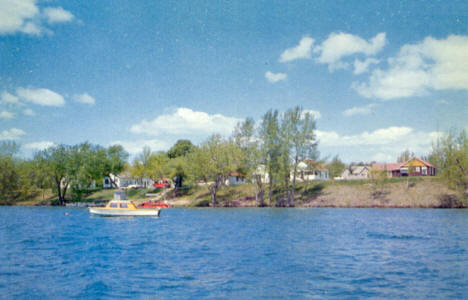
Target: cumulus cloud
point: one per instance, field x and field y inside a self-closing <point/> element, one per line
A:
<point x="57" y="15"/>
<point x="11" y="134"/>
<point x="6" y="115"/>
<point x="314" y="113"/>
<point x="44" y="97"/>
<point x="10" y="99"/>
<point x="381" y="144"/>
<point x="377" y="137"/>
<point x="340" y="45"/>
<point x="85" y="99"/>
<point x="363" y="66"/>
<point x="39" y="145"/>
<point x="26" y="17"/>
<point x="136" y="146"/>
<point x="418" y="68"/>
<point x="275" y="77"/>
<point x="186" y="121"/>
<point x="302" y="50"/>
<point x="363" y="110"/>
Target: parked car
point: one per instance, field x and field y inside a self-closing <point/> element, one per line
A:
<point x="162" y="184"/>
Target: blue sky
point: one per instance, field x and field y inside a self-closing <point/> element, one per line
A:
<point x="380" y="76"/>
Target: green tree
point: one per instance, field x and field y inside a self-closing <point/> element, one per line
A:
<point x="244" y="138"/>
<point x="56" y="162"/>
<point x="9" y="179"/>
<point x="301" y="140"/>
<point x="180" y="148"/>
<point x="270" y="151"/>
<point x="336" y="167"/>
<point x="212" y="163"/>
<point x="114" y="161"/>
<point x="452" y="153"/>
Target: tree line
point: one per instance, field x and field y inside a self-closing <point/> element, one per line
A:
<point x="267" y="153"/>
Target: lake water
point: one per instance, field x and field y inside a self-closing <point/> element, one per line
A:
<point x="234" y="254"/>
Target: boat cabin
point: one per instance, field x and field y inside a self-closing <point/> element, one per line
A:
<point x="121" y="204"/>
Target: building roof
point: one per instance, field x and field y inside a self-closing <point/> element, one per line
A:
<point x="236" y="174"/>
<point x="427" y="164"/>
<point x="397" y="166"/>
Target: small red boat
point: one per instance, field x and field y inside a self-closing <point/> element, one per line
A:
<point x="155" y="204"/>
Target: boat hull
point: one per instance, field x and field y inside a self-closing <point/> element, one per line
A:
<point x="124" y="212"/>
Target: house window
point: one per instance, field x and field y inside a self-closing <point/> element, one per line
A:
<point x="417" y="169"/>
<point x="106" y="181"/>
<point x="404" y="170"/>
<point x="424" y="170"/>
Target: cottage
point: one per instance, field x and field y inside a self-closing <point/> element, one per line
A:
<point x="235" y="178"/>
<point x="126" y="181"/>
<point x="311" y="170"/>
<point x="412" y="167"/>
<point x="355" y="173"/>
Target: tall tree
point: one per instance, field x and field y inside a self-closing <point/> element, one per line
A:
<point x="301" y="139"/>
<point x="270" y="147"/>
<point x="212" y="163"/>
<point x="244" y="138"/>
<point x="452" y="153"/>
<point x="180" y="148"/>
<point x="115" y="161"/>
<point x="336" y="167"/>
<point x="56" y="162"/>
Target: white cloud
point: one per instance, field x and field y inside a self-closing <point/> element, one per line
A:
<point x="57" y="15"/>
<point x="380" y="145"/>
<point x="136" y="147"/>
<point x="363" y="110"/>
<point x="11" y="134"/>
<point x="39" y="145"/>
<point x="188" y="122"/>
<point x="29" y="112"/>
<point x="275" y="77"/>
<point x="26" y="17"/>
<point x="6" y="115"/>
<point x="314" y="113"/>
<point x="340" y="45"/>
<point x="382" y="136"/>
<point x="418" y="68"/>
<point x="43" y="97"/>
<point x="300" y="51"/>
<point x="85" y="99"/>
<point x="363" y="66"/>
<point x="8" y="98"/>
<point x="14" y="15"/>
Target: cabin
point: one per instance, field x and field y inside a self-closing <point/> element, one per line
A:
<point x="355" y="173"/>
<point x="311" y="170"/>
<point x="235" y="178"/>
<point x="126" y="181"/>
<point x="412" y="167"/>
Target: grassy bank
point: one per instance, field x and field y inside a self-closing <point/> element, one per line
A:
<point x="397" y="192"/>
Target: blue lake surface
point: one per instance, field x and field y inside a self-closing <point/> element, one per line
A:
<point x="234" y="254"/>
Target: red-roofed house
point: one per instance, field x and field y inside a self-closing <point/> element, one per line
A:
<point x="417" y="166"/>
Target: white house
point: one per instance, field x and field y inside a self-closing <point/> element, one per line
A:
<point x="309" y="170"/>
<point x="356" y="172"/>
<point x="125" y="180"/>
<point x="235" y="178"/>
